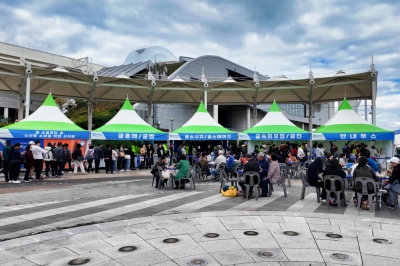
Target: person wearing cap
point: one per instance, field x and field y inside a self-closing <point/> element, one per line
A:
<point x="15" y="163"/>
<point x="250" y="165"/>
<point x="6" y="160"/>
<point x="37" y="152"/>
<point x="220" y="159"/>
<point x="393" y="184"/>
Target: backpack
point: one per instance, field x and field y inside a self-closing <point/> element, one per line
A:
<point x="67" y="154"/>
<point x="89" y="155"/>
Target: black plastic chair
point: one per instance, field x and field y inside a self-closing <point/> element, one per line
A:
<point x="250" y="175"/>
<point x="332" y="180"/>
<point x="305" y="185"/>
<point x="282" y="181"/>
<point x="190" y="176"/>
<point x="364" y="191"/>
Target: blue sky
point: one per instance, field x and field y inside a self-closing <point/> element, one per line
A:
<point x="279" y="37"/>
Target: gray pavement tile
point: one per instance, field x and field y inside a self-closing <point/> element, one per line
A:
<point x="341" y="222"/>
<point x="143" y="258"/>
<point x="110" y="225"/>
<point x="180" y="230"/>
<point x="239" y="226"/>
<point x="238" y="234"/>
<point x="30" y="249"/>
<point x="119" y="240"/>
<point x="90" y="236"/>
<point x="208" y="220"/>
<point x="295" y="220"/>
<point x="272" y="219"/>
<point x="299" y="263"/>
<point x="265" y="226"/>
<point x="250" y="219"/>
<point x="17" y="242"/>
<point x="95" y="259"/>
<point x="167" y="263"/>
<point x="186" y="221"/>
<point x="19" y="262"/>
<point x="368" y="225"/>
<point x="355" y="257"/>
<point x="154" y="234"/>
<point x="230" y="219"/>
<point x="50" y="256"/>
<point x="61" y="242"/>
<point x="280" y="256"/>
<point x="262" y="263"/>
<point x="324" y="228"/>
<point x="109" y="263"/>
<point x="339" y="244"/>
<point x="6" y="256"/>
<point x="367" y="246"/>
<point x="391" y="227"/>
<point x="175" y="252"/>
<point x="183" y="241"/>
<point x="220" y="245"/>
<point x="232" y="257"/>
<point x="164" y="224"/>
<point x="116" y="231"/>
<point x="184" y="261"/>
<point x="210" y="227"/>
<point x="258" y="243"/>
<point x="199" y="237"/>
<point x="355" y="231"/>
<point x="371" y="260"/>
<point x="297" y="243"/>
<point x="141" y="227"/>
<point x="294" y="227"/>
<point x="308" y="254"/>
<point x="113" y="252"/>
<point x="84" y="229"/>
<point x="89" y="246"/>
<point x="318" y="221"/>
<point x="386" y="234"/>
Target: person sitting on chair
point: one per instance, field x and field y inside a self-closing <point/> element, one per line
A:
<point x="250" y="165"/>
<point x="363" y="170"/>
<point x="220" y="159"/>
<point x="334" y="168"/>
<point x="154" y="171"/>
<point x="184" y="168"/>
<point x="313" y="172"/>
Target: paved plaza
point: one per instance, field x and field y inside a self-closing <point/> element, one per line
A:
<point x="121" y="220"/>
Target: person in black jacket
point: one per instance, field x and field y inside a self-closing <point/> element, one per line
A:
<point x="150" y="158"/>
<point x="108" y="158"/>
<point x="251" y="165"/>
<point x="15" y="163"/>
<point x="313" y="172"/>
<point x="334" y="168"/>
<point x="98" y="155"/>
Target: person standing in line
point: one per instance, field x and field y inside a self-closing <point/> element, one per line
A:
<point x="78" y="158"/>
<point x="38" y="152"/>
<point x="121" y="158"/>
<point x="143" y="159"/>
<point x="58" y="157"/>
<point x="150" y="155"/>
<point x="114" y="156"/>
<point x="98" y="155"/>
<point x="301" y="154"/>
<point x="171" y="154"/>
<point x="6" y="160"/>
<point x="127" y="158"/>
<point x="108" y="158"/>
<point x="29" y="163"/>
<point x="15" y="163"/>
<point x="89" y="158"/>
<point x="67" y="157"/>
<point x="48" y="160"/>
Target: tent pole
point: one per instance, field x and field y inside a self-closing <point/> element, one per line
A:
<point x="27" y="95"/>
<point x="373" y="101"/>
<point x="310" y="113"/>
<point x="90" y="104"/>
<point x="149" y="106"/>
<point x="255" y="104"/>
<point x="205" y="98"/>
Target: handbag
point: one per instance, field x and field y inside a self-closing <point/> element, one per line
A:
<point x="166" y="174"/>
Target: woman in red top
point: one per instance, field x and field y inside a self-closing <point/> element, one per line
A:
<point x="294" y="151"/>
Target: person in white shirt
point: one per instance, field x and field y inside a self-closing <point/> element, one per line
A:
<point x="301" y="154"/>
<point x="220" y="159"/>
<point x="37" y="153"/>
<point x="342" y="160"/>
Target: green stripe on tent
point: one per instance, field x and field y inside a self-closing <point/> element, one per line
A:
<point x="345" y="105"/>
<point x="275" y="129"/>
<point x="127" y="105"/>
<point x="350" y="128"/>
<point x="41" y="125"/>
<point x="202" y="129"/>
<point x="128" y="128"/>
<point x="202" y="108"/>
<point x="49" y="101"/>
<point x="274" y="107"/>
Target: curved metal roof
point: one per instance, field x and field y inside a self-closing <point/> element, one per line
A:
<point x="152" y="53"/>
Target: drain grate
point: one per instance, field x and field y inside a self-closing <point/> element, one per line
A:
<point x="266" y="254"/>
<point x="382" y="241"/>
<point x="334" y="235"/>
<point x="171" y="240"/>
<point x="197" y="262"/>
<point x="341" y="256"/>
<point x="250" y="233"/>
<point x="211" y="235"/>
<point x="78" y="261"/>
<point x="127" y="249"/>
<point x="290" y="233"/>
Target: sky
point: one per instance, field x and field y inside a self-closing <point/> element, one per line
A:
<point x="278" y="37"/>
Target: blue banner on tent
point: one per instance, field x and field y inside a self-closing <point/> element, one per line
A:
<point x="44" y="134"/>
<point x="202" y="136"/>
<point x="353" y="136"/>
<point x="274" y="136"/>
<point x="129" y="136"/>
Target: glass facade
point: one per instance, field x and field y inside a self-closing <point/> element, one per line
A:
<point x="293" y="109"/>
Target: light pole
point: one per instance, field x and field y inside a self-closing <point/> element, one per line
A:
<point x="172" y="124"/>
